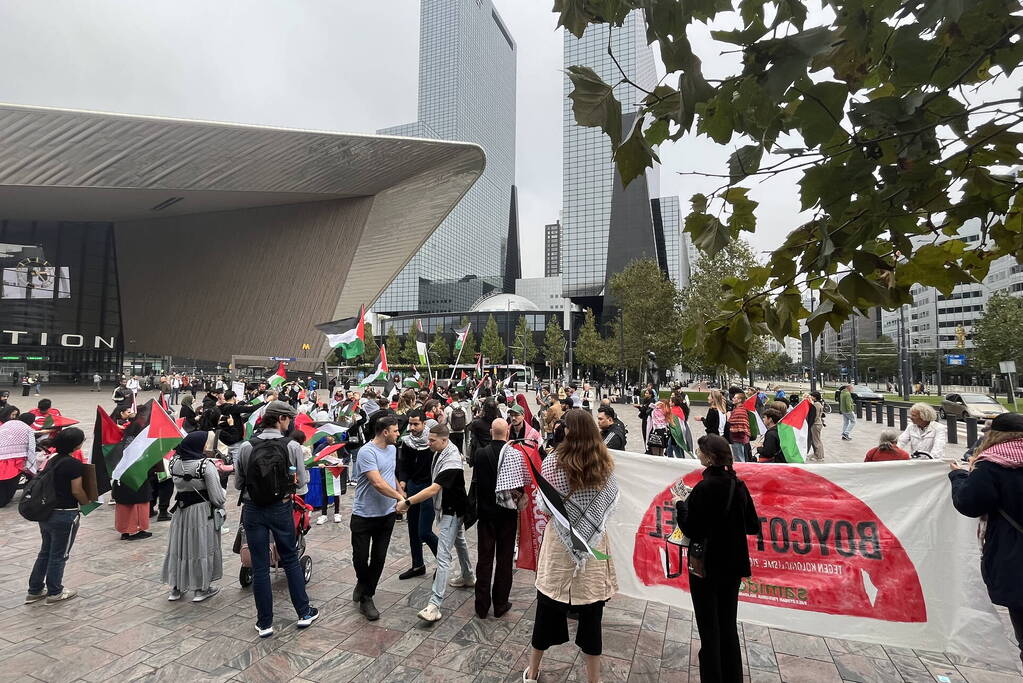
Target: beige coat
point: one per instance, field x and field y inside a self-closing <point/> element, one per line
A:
<point x="556" y="577"/>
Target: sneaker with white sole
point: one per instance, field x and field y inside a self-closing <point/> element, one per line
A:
<point x="34" y="597"/>
<point x="175" y="595"/>
<point x="265" y="632"/>
<point x="462" y="582"/>
<point x="337" y="518"/>
<point x="66" y="594"/>
<point x="225" y="529"/>
<point x="312" y="615"/>
<point x="322" y="519"/>
<point x="208" y="593"/>
<point x="430" y="613"/>
<point x="526" y="678"/>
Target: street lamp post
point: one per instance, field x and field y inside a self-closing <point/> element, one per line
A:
<point x="937" y="341"/>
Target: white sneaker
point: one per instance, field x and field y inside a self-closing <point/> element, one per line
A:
<point x="430" y="613"/>
<point x="208" y="593"/>
<point x="461" y="582"/>
<point x="321" y="519"/>
<point x="337" y="518"/>
<point x="175" y="594"/>
<point x="225" y="529"/>
<point x="526" y="678"/>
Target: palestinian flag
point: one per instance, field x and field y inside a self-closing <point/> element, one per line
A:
<point x="334" y="484"/>
<point x="460" y="336"/>
<point x="259" y="400"/>
<point x="556" y="504"/>
<point x="250" y="425"/>
<point x="106" y="448"/>
<point x="324" y="430"/>
<point x="381" y="372"/>
<point x="756" y="424"/>
<point x="463" y="382"/>
<point x="792" y="432"/>
<point x="278" y="378"/>
<point x="421" y="344"/>
<point x="347" y="336"/>
<point x="413" y="381"/>
<point x="50" y="421"/>
<point x="324" y="454"/>
<point x="682" y="435"/>
<point x="479" y="365"/>
<point x="159" y="436"/>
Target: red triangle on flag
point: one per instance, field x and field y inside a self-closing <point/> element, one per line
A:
<point x="383" y="359"/>
<point x="161" y="426"/>
<point x="110" y="433"/>
<point x="360" y="329"/>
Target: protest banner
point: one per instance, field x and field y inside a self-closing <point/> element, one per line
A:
<point x="872" y="552"/>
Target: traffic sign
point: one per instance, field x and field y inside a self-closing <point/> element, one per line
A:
<point x="1007" y="366"/>
<point x="282" y="358"/>
<point x="955" y="359"/>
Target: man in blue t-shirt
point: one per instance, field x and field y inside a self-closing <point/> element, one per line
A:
<point x="373" y="511"/>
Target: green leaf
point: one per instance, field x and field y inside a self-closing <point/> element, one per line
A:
<point x="694" y="90"/>
<point x="634" y="155"/>
<point x="793" y="11"/>
<point x="709" y="234"/>
<point x="742" y="217"/>
<point x="663" y="102"/>
<point x="744" y="161"/>
<point x="715" y="119"/>
<point x="573" y="15"/>
<point x="594" y="103"/>
<point x="820" y="112"/>
<point x="657" y="133"/>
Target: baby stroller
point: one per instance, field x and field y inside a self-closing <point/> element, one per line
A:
<point x="301" y="513"/>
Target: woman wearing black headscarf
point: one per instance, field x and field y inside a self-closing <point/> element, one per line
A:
<point x="188" y="413"/>
<point x="194" y="559"/>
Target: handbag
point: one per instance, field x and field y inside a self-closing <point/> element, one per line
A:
<point x="697" y="555"/>
<point x="657" y="439"/>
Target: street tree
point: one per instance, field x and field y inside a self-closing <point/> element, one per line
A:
<point x="998" y="334"/>
<point x="492" y="345"/>
<point x="524" y="348"/>
<point x="370" y="349"/>
<point x="649" y="302"/>
<point x="590" y="348"/>
<point x="554" y="344"/>
<point x="440" y="352"/>
<point x="393" y="344"/>
<point x="774" y="365"/>
<point x="409" y="352"/>
<point x="897" y="120"/>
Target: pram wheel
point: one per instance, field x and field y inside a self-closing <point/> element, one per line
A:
<point x="245" y="576"/>
<point x="307" y="567"/>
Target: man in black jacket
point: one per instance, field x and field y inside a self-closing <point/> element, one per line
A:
<point x="495" y="529"/>
<point x="233" y="416"/>
<point x="413" y="473"/>
<point x="611" y="428"/>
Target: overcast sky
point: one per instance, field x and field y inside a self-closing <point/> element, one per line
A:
<point x="325" y="64"/>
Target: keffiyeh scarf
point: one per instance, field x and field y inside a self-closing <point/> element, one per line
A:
<point x="1008" y="454"/>
<point x="17" y="440"/>
<point x="422" y="441"/>
<point x="587" y="510"/>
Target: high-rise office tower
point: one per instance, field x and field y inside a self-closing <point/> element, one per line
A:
<point x="552" y="249"/>
<point x="466" y="92"/>
<point x="604" y="226"/>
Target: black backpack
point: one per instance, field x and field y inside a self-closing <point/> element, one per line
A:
<point x="39" y="499"/>
<point x="457" y="421"/>
<point x="267" y="480"/>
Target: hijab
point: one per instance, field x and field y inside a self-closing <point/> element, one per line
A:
<point x="192" y="447"/>
<point x="521" y="400"/>
<point x="186" y="400"/>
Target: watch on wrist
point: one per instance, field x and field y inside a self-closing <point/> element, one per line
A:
<point x="406" y="501"/>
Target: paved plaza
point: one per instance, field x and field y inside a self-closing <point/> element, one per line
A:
<point x="122" y="628"/>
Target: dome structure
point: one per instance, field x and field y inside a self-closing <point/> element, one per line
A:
<point x="504" y="302"/>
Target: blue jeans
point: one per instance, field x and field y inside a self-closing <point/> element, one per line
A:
<point x="738" y="451"/>
<point x="420" y="524"/>
<point x="260" y="522"/>
<point x="848" y="422"/>
<point x="58" y="534"/>
<point x="452" y="535"/>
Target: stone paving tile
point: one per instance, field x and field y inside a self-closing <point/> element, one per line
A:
<point x="985" y="675"/>
<point x="800" y="645"/>
<point x="337" y="666"/>
<point x="862" y="669"/>
<point x="803" y="670"/>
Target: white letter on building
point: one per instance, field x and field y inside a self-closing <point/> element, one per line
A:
<point x="65" y="340"/>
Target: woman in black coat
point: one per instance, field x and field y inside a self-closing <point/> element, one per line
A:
<point x="480" y="427"/>
<point x="718" y="515"/>
<point x="771" y="451"/>
<point x="190" y="423"/>
<point x="993" y="490"/>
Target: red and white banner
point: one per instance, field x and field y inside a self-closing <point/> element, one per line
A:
<point x="872" y="552"/>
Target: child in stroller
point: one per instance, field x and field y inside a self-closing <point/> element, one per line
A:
<point x="301" y="511"/>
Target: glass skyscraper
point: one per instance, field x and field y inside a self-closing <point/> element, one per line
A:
<point x="589" y="174"/>
<point x="466" y="92"/>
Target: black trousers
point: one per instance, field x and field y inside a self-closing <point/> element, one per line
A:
<point x="1016" y="616"/>
<point x="715" y="602"/>
<point x="458" y="438"/>
<point x="496" y="541"/>
<point x="162" y="492"/>
<point x="371" y="537"/>
<point x="7" y="489"/>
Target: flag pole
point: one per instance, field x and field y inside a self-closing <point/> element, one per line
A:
<point x="460" y="349"/>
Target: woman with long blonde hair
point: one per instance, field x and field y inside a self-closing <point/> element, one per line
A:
<point x="717" y="413"/>
<point x="569" y="579"/>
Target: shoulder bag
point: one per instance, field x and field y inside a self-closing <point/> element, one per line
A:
<point x="697" y="555"/>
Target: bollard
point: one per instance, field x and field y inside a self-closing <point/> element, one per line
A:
<point x="866" y="409"/>
<point x="971" y="431"/>
<point x="891" y="415"/>
<point x="953" y="428"/>
<point x="859" y="410"/>
<point x="903" y="418"/>
<point x="880" y="418"/>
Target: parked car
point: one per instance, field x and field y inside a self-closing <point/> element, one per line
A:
<point x="861" y="392"/>
<point x="979" y="406"/>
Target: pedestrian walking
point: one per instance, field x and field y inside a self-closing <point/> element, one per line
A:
<point x="97" y="380"/>
<point x="194" y="559"/>
<point x="270" y="468"/>
<point x="59" y="530"/>
<point x="582" y="472"/>
<point x="816" y="421"/>
<point x="847" y="407"/>
<point x="992" y="489"/>
<point x="446" y="494"/>
<point x="373" y="514"/>
<point x="717" y="516"/>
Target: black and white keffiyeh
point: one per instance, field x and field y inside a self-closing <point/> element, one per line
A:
<point x="583" y="514"/>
